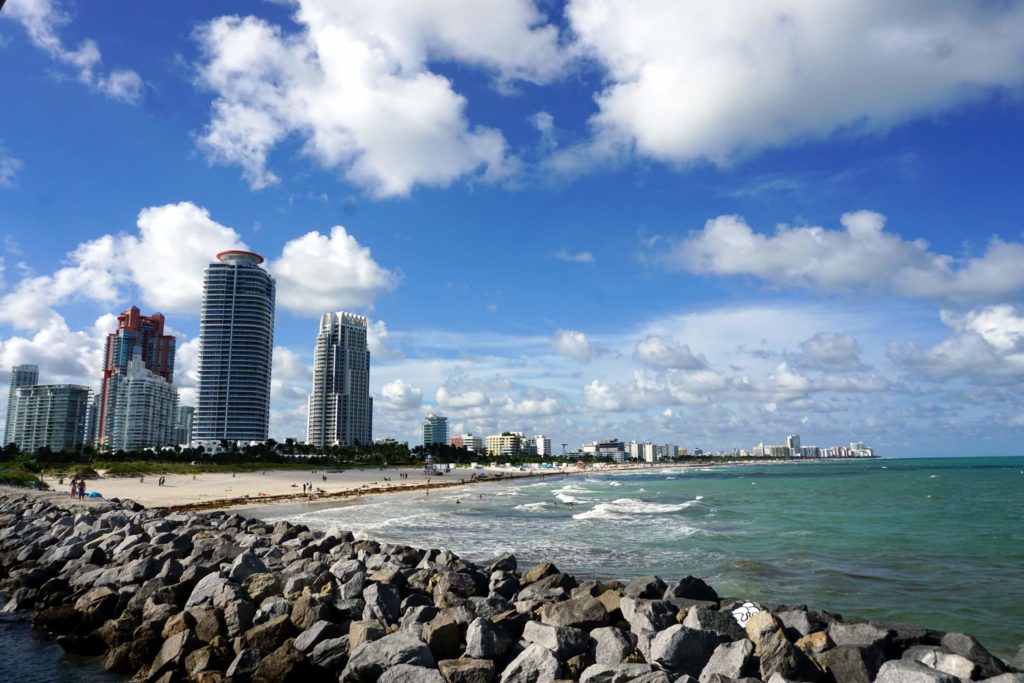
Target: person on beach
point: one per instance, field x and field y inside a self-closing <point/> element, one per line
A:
<point x="74" y="486"/>
<point x="81" y="489"/>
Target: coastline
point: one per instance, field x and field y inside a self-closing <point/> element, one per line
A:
<point x="225" y="490"/>
<point x="214" y="596"/>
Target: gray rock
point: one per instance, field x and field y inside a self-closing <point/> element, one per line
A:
<point x="309" y="609"/>
<point x="861" y="635"/>
<point x="1018" y="660"/>
<point x="966" y="646"/>
<point x="415" y="617"/>
<point x="171" y="656"/>
<point x="243" y="666"/>
<point x="849" y="663"/>
<point x="691" y="588"/>
<point x="364" y="631"/>
<point x="947" y="662"/>
<point x="731" y="660"/>
<point x="267" y="637"/>
<point x="407" y="673"/>
<point x="535" y="664"/>
<point x="204" y="592"/>
<point x="647" y="587"/>
<point x="382" y="602"/>
<point x="1006" y="678"/>
<point x="442" y="635"/>
<point x="723" y="623"/>
<point x="906" y="671"/>
<point x="610" y="646"/>
<point x="801" y="622"/>
<point x="683" y="650"/>
<point x="244" y="566"/>
<point x="318" y="632"/>
<point x="484" y="640"/>
<point x="370" y="660"/>
<point x="538" y="572"/>
<point x="331" y="654"/>
<point x="261" y="586"/>
<point x="620" y="673"/>
<point x="467" y="670"/>
<point x="238" y="617"/>
<point x="582" y="612"/>
<point x="564" y="641"/>
<point x="647" y="615"/>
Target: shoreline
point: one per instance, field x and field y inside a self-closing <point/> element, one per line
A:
<point x="213" y="596"/>
<point x="206" y="490"/>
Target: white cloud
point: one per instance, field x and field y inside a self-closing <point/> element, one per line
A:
<point x="986" y="346"/>
<point x="721" y="78"/>
<point x="166" y="259"/>
<point x="354" y="84"/>
<point x="601" y="396"/>
<point x="401" y="395"/>
<point x="291" y="379"/>
<point x="43" y="20"/>
<point x="573" y="344"/>
<point x="465" y="399"/>
<point x="9" y="167"/>
<point x="377" y="338"/>
<point x="666" y="352"/>
<point x="862" y="254"/>
<point x="317" y="273"/>
<point x="175" y="244"/>
<point x="830" y="351"/>
<point x="577" y="257"/>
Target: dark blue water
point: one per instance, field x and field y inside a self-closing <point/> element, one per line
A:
<point x="28" y="657"/>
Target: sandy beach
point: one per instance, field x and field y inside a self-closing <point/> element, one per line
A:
<point x="222" y="490"/>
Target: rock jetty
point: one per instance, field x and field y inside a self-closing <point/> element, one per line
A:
<point x="213" y="596"/>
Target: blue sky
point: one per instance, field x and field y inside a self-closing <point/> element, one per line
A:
<point x="688" y="222"/>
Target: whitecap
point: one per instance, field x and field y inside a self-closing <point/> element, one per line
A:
<point x="532" y="507"/>
<point x="629" y="507"/>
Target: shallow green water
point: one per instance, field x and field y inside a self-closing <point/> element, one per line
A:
<point x="938" y="542"/>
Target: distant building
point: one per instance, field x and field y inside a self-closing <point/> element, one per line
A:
<point x="435" y="430"/>
<point x="793" y="444"/>
<point x="668" y="452"/>
<point x="48" y="415"/>
<point x="137" y="336"/>
<point x="504" y="444"/>
<point x="474" y="444"/>
<point x="340" y="406"/>
<point x="144" y="412"/>
<point x="236" y="349"/>
<point x="543" y="445"/>
<point x="647" y="453"/>
<point x="609" y="448"/>
<point x="183" y="425"/>
<point x="21" y="376"/>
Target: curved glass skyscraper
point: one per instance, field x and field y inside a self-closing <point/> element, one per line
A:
<point x="236" y="347"/>
<point x="340" y="407"/>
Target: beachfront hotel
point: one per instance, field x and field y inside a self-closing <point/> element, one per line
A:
<point x="435" y="430"/>
<point x="340" y="406"/>
<point x="236" y="347"/>
<point x="53" y="416"/>
<point x="138" y="338"/>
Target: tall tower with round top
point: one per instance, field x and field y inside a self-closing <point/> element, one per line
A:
<point x="236" y="347"/>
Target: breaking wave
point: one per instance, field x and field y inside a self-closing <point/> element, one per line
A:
<point x="622" y="508"/>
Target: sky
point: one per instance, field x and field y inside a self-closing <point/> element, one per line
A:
<point x="708" y="223"/>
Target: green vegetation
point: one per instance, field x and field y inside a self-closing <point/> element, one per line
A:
<point x="16" y="475"/>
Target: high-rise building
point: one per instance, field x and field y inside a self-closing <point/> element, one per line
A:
<point x="474" y="444"/>
<point x="183" y="425"/>
<point x="236" y="348"/>
<point x="21" y="376"/>
<point x="543" y="445"/>
<point x="47" y="415"/>
<point x="793" y="444"/>
<point x="144" y="410"/>
<point x="340" y="406"/>
<point x="435" y="430"/>
<point x="138" y="337"/>
<point x="506" y="443"/>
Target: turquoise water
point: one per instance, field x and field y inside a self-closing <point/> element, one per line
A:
<point x="937" y="542"/>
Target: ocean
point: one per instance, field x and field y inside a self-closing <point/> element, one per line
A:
<point x="934" y="542"/>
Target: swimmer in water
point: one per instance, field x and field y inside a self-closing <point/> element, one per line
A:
<point x="458" y="502"/>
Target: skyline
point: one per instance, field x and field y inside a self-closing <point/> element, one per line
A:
<point x="544" y="236"/>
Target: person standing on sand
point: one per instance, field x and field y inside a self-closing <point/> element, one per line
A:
<point x="74" y="486"/>
<point x="81" y="489"/>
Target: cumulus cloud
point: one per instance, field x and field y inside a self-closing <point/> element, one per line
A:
<point x="401" y="395"/>
<point x="830" y="351"/>
<point x="573" y="344"/>
<point x="449" y="398"/>
<point x="174" y="245"/>
<point x="601" y="396"/>
<point x="354" y="84"/>
<point x="719" y="79"/>
<point x="317" y="273"/>
<point x="986" y="346"/>
<point x="165" y="261"/>
<point x="43" y="20"/>
<point x="665" y="352"/>
<point x="862" y="254"/>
